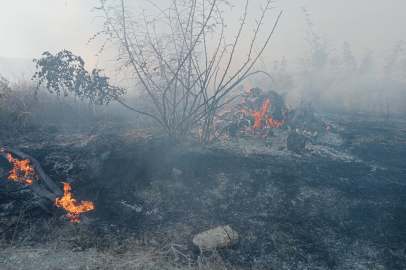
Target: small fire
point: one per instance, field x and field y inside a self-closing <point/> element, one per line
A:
<point x="69" y="204"/>
<point x="22" y="171"/>
<point x="261" y="117"/>
<point x="328" y="128"/>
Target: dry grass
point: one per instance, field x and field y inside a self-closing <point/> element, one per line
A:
<point x="64" y="241"/>
<point x="21" y="110"/>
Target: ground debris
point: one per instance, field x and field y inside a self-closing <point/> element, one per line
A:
<point x="219" y="237"/>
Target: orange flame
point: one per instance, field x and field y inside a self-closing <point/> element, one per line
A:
<point x="67" y="203"/>
<point x="22" y="171"/>
<point x="260" y="117"/>
<point x="328" y="128"/>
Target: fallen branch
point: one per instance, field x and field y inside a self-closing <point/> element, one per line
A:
<point x="55" y="190"/>
<point x="41" y="191"/>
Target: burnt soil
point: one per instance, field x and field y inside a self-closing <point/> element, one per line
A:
<point x="306" y="211"/>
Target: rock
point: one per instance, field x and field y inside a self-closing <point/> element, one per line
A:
<point x="296" y="142"/>
<point x="219" y="237"/>
<point x="176" y="171"/>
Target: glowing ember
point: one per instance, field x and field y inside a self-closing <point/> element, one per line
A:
<point x="261" y="119"/>
<point x="328" y="128"/>
<point x="67" y="203"/>
<point x="22" y="171"/>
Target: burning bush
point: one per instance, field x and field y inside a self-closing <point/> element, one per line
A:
<point x="256" y="114"/>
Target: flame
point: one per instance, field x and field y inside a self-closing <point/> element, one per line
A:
<point x="67" y="203"/>
<point x="328" y="128"/>
<point x="22" y="171"/>
<point x="261" y="117"/>
<point x="248" y="89"/>
<point x="226" y="100"/>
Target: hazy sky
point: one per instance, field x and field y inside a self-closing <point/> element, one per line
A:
<point x="30" y="27"/>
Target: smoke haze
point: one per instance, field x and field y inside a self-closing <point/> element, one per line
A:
<point x="31" y="27"/>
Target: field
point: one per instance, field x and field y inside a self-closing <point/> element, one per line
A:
<point x="340" y="205"/>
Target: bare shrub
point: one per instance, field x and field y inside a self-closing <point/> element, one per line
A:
<point x="181" y="58"/>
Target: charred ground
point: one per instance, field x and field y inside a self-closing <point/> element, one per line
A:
<point x="340" y="207"/>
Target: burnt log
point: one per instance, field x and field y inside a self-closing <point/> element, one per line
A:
<point x="41" y="191"/>
<point x="231" y="129"/>
<point x="296" y="142"/>
<point x="54" y="190"/>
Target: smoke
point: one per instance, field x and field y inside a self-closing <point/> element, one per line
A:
<point x="353" y="60"/>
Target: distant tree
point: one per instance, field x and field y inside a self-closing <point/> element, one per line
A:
<point x="394" y="80"/>
<point x="367" y="63"/>
<point x="348" y="61"/>
<point x="319" y="67"/>
<point x="392" y="69"/>
<point x="283" y="78"/>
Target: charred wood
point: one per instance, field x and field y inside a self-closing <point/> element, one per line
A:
<point x="296" y="142"/>
<point x="54" y="190"/>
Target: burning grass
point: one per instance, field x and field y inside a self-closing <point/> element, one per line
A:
<point x="22" y="171"/>
<point x="69" y="204"/>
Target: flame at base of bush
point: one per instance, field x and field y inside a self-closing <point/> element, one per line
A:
<point x="262" y="118"/>
<point x="69" y="204"/>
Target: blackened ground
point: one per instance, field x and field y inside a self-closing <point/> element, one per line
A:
<point x="308" y="211"/>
